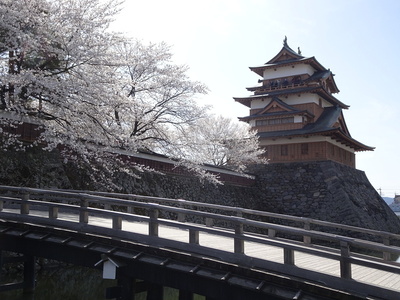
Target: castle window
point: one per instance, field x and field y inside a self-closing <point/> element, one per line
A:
<point x="275" y="121"/>
<point x="304" y="148"/>
<point x="261" y="122"/>
<point x="284" y="150"/>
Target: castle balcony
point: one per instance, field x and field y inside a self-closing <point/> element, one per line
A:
<point x="277" y="86"/>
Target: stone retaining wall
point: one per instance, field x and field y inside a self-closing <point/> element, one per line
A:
<point x="324" y="190"/>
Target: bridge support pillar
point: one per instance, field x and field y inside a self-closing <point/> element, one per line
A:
<point x="155" y="292"/>
<point x="185" y="295"/>
<point x="128" y="287"/>
<point x="29" y="275"/>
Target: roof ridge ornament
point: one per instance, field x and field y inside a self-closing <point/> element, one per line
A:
<point x="285" y="42"/>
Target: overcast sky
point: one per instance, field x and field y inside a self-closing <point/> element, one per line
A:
<point x="357" y="39"/>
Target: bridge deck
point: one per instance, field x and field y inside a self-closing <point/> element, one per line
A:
<point x="274" y="254"/>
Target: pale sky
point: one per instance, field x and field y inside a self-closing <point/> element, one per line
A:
<point x="357" y="39"/>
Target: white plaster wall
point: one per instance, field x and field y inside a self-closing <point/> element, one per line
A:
<point x="290" y="100"/>
<point x="304" y="98"/>
<point x="288" y="71"/>
<point x="259" y="103"/>
<point x="298" y="119"/>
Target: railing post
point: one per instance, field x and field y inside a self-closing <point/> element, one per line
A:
<point x="117" y="222"/>
<point x="194" y="237"/>
<point x="307" y="239"/>
<point x="53" y="212"/>
<point x="83" y="213"/>
<point x="25" y="204"/>
<point x="386" y="242"/>
<point x="181" y="216"/>
<point x="238" y="240"/>
<point x="130" y="209"/>
<point x="153" y="223"/>
<point x="209" y="222"/>
<point x="345" y="265"/>
<point x="271" y="233"/>
<point x="288" y="256"/>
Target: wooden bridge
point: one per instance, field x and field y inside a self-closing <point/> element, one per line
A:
<point x="212" y="250"/>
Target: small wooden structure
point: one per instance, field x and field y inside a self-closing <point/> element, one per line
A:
<point x="110" y="266"/>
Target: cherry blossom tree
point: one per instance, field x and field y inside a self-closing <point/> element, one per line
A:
<point x="93" y="91"/>
<point x="220" y="141"/>
<point x="159" y="97"/>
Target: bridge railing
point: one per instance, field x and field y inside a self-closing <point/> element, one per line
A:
<point x="303" y="222"/>
<point x="149" y="209"/>
<point x="293" y="221"/>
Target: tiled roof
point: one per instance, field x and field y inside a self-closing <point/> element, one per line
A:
<point x="312" y="89"/>
<point x="319" y="75"/>
<point x="307" y="60"/>
<point x="323" y="126"/>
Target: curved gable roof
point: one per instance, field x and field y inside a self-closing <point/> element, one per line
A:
<point x="278" y="102"/>
<point x="285" y="54"/>
<point x="288" y="56"/>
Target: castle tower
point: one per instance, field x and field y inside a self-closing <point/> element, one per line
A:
<point x="295" y="113"/>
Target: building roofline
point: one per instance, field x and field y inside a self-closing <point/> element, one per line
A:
<point x="335" y="133"/>
<point x="305" y="60"/>
<point x="311" y="89"/>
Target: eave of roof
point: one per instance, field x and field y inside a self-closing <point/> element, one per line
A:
<point x="276" y="114"/>
<point x="323" y="126"/>
<point x="324" y="75"/>
<point x="310" y="89"/>
<point x="304" y="60"/>
<point x="334" y="132"/>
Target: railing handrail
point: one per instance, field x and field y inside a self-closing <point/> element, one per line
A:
<point x="232" y="219"/>
<point x="182" y="202"/>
